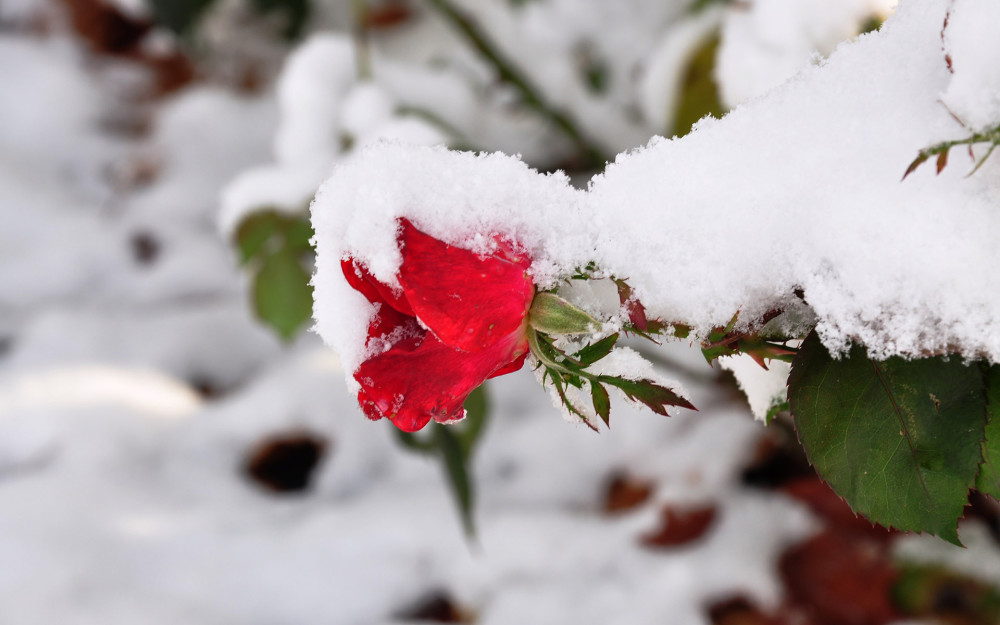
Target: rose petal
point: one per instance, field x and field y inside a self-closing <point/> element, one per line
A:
<point x="415" y="382"/>
<point x="376" y="292"/>
<point x="468" y="301"/>
<point x="512" y="367"/>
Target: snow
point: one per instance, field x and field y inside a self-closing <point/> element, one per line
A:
<point x="664" y="71"/>
<point x="734" y="217"/>
<point x="325" y="113"/>
<point x="980" y="559"/>
<point x="764" y="388"/>
<point x="134" y="385"/>
<point x="973" y="94"/>
<point x="769" y="41"/>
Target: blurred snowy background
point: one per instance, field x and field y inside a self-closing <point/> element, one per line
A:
<point x="175" y="446"/>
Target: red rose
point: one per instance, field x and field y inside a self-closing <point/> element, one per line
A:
<point x="460" y="318"/>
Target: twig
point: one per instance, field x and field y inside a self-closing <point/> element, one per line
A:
<point x="508" y="73"/>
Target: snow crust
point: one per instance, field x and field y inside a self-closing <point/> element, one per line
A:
<point x="799" y="189"/>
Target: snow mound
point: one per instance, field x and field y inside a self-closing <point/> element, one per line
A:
<point x="797" y="191"/>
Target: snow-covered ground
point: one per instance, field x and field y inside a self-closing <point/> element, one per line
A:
<point x="135" y="386"/>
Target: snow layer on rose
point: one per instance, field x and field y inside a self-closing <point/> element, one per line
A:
<point x="798" y="189"/>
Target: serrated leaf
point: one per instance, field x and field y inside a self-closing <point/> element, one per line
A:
<point x="988" y="481"/>
<point x="602" y="403"/>
<point x="281" y="293"/>
<point x="592" y="353"/>
<point x="899" y="440"/>
<point x="681" y="331"/>
<point x="654" y="396"/>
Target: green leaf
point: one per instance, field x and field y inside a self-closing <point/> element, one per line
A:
<point x="254" y="233"/>
<point x="477" y="409"/>
<point x="178" y="15"/>
<point x="602" y="403"/>
<point x="592" y="353"/>
<point x="774" y="410"/>
<point x="988" y="481"/>
<point x="282" y="294"/>
<point x="412" y="442"/>
<point x="699" y="95"/>
<point x="552" y="314"/>
<point x="898" y="439"/>
<point x="654" y="396"/>
<point x="298" y="233"/>
<point x="296" y="12"/>
<point x="919" y="588"/>
<point x="458" y="476"/>
<point x="453" y="444"/>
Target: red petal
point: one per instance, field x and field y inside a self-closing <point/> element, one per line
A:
<point x="468" y="301"/>
<point x="413" y="383"/>
<point x="376" y="292"/>
<point x="387" y="320"/>
<point x="512" y="367"/>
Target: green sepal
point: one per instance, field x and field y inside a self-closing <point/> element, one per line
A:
<point x="551" y="314"/>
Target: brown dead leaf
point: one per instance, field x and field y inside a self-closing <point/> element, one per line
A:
<point x="680" y="526"/>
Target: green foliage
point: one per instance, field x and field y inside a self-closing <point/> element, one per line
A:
<point x="926" y="591"/>
<point x="182" y="16"/>
<point x="988" y="481"/>
<point x="276" y="248"/>
<point x="726" y="341"/>
<point x="552" y="314"/>
<point x="282" y="294"/>
<point x="941" y="151"/>
<point x="296" y="12"/>
<point x="652" y="395"/>
<point x="697" y="6"/>
<point x="562" y="371"/>
<point x="454" y="445"/>
<point x="699" y="95"/>
<point x="595" y="351"/>
<point x="870" y="25"/>
<point x="776" y="409"/>
<point x="602" y="402"/>
<point x="899" y="439"/>
<point x="178" y="15"/>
